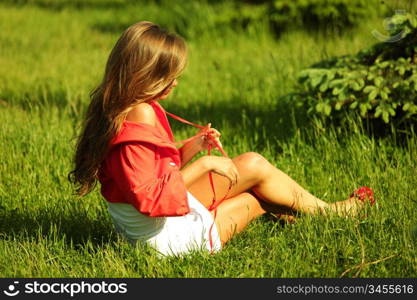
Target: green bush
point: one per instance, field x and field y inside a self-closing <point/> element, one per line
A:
<point x="379" y="82"/>
<point x="73" y="4"/>
<point x="322" y="14"/>
<point x="188" y="18"/>
<point x="194" y="18"/>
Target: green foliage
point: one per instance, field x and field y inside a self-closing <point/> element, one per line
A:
<point x="379" y="82"/>
<point x="187" y="18"/>
<point x="76" y="4"/>
<point x="193" y="18"/>
<point x="329" y="14"/>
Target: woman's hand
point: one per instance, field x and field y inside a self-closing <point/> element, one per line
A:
<point x="194" y="146"/>
<point x="205" y="140"/>
<point x="223" y="166"/>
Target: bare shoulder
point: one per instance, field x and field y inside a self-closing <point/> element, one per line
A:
<point x="142" y="113"/>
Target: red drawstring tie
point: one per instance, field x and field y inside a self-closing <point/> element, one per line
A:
<point x="214" y="204"/>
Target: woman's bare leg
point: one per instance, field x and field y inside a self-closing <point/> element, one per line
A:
<point x="270" y="185"/>
<point x="261" y="188"/>
<point x="236" y="213"/>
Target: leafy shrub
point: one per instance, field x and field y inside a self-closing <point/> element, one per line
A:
<point x="190" y="19"/>
<point x="379" y="82"/>
<point x="321" y="14"/>
<point x="193" y="18"/>
<point x="73" y="4"/>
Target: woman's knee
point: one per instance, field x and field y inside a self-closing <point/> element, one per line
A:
<point x="252" y="162"/>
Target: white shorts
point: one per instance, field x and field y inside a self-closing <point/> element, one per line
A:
<point x="183" y="234"/>
<point x="168" y="235"/>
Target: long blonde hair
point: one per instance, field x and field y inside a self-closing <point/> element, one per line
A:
<point x="144" y="62"/>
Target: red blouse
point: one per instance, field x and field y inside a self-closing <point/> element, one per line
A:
<point x="142" y="168"/>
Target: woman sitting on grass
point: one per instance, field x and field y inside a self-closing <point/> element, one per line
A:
<point x="152" y="194"/>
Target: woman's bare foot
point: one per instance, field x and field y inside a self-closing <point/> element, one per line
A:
<point x="356" y="202"/>
<point x="348" y="208"/>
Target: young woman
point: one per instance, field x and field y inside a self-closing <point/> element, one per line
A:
<point x="153" y="195"/>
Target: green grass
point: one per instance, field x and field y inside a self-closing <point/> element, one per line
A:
<point x="50" y="59"/>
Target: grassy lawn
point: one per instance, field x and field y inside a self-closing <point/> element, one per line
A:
<point x="52" y="57"/>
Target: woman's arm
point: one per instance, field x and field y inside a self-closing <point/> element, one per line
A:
<point x="195" y="170"/>
<point x="190" y="149"/>
<point x="153" y="193"/>
<point x="220" y="165"/>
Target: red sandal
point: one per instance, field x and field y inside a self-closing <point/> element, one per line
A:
<point x="364" y="192"/>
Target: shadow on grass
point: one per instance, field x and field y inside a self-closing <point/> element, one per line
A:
<point x="257" y="124"/>
<point x="112" y="27"/>
<point x="43" y="98"/>
<point x="74" y="226"/>
<point x="58" y="5"/>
